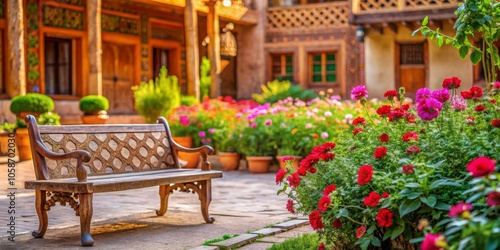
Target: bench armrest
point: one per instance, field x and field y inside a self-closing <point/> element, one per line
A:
<point x="204" y="150"/>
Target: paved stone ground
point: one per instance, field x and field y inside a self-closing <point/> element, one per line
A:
<point x="242" y="202"/>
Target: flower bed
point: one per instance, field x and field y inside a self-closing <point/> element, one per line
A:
<point x="370" y="188"/>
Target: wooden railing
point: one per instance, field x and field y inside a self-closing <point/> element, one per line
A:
<point x="377" y="6"/>
<point x="308" y="17"/>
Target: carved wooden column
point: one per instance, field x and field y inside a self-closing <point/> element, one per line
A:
<point x="17" y="63"/>
<point x="192" y="51"/>
<point x="213" y="48"/>
<point x="94" y="85"/>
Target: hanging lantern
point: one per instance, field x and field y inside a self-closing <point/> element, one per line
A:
<point x="228" y="46"/>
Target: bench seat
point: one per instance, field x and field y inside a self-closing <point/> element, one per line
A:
<point x="125" y="181"/>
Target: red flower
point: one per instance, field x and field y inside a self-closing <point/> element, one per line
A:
<point x="380" y="152"/>
<point x="481" y="166"/>
<point x="352" y="148"/>
<point x="384" y="110"/>
<point x="384" y="217"/>
<point x="495" y="123"/>
<point x="280" y="175"/>
<point x="294" y="180"/>
<point x="357" y="130"/>
<point x="385" y="195"/>
<point x="451" y="83"/>
<point x="372" y="199"/>
<point x="390" y="94"/>
<point x="384" y="138"/>
<point x="327" y="157"/>
<point x="329" y="189"/>
<point x="359" y="120"/>
<point x="396" y="114"/>
<point x="323" y="203"/>
<point x="323" y="149"/>
<point x="289" y="206"/>
<point x="365" y="174"/>
<point x="360" y="231"/>
<point x="493" y="199"/>
<point x="476" y="92"/>
<point x="321" y="246"/>
<point x="433" y="242"/>
<point x="309" y="161"/>
<point x="287" y="158"/>
<point x="459" y="209"/>
<point x="479" y="108"/>
<point x="407" y="169"/>
<point x="467" y="95"/>
<point x="302" y="171"/>
<point x="337" y="223"/>
<point x="315" y="220"/>
<point x="405" y="107"/>
<point x="412" y="150"/>
<point x="410" y="135"/>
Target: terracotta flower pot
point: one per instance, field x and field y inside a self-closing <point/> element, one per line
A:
<point x="192" y="159"/>
<point x="4" y="142"/>
<point x="295" y="163"/>
<point x="229" y="160"/>
<point x="23" y="144"/>
<point x="259" y="164"/>
<point x="94" y="119"/>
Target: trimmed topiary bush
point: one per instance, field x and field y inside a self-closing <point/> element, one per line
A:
<point x="31" y="102"/>
<point x="92" y="104"/>
<point x="189" y="100"/>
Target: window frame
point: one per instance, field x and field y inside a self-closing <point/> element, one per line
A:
<point x="282" y="64"/>
<point x="56" y="64"/>
<point x="310" y="63"/>
<point x="3" y="65"/>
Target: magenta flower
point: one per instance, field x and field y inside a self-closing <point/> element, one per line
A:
<point x="324" y="135"/>
<point x="422" y="94"/>
<point x="184" y="120"/>
<point x="201" y="134"/>
<point x="442" y="95"/>
<point x="459" y="209"/>
<point x="268" y="122"/>
<point x="458" y="103"/>
<point x="211" y="130"/>
<point x="428" y="108"/>
<point x="254" y="125"/>
<point x="287" y="158"/>
<point x="359" y="92"/>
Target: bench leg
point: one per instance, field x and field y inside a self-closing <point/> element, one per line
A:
<point x="86" y="211"/>
<point x="43" y="219"/>
<point x="164" y="194"/>
<point x="205" y="195"/>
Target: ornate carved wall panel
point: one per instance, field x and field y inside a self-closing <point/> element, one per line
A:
<point x="119" y="24"/>
<point x="32" y="36"/>
<point x="63" y="18"/>
<point x="73" y="2"/>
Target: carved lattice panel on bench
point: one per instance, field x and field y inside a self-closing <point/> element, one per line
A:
<point x="111" y="152"/>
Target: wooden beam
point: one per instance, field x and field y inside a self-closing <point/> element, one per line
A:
<point x="391" y="26"/>
<point x="377" y="28"/>
<point x="436" y="24"/>
<point x="408" y="24"/>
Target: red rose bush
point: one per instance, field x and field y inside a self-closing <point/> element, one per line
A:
<point x="370" y="187"/>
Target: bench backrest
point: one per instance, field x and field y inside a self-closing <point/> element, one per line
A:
<point x="113" y="148"/>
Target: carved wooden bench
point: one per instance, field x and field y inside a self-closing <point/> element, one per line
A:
<point x="73" y="162"/>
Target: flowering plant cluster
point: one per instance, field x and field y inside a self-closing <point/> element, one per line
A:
<point x="370" y="187"/>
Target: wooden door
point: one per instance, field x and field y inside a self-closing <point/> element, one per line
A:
<point x="411" y="67"/>
<point x="118" y="77"/>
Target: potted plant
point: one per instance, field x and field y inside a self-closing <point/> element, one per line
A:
<point x="5" y="130"/>
<point x="31" y="103"/>
<point x="183" y="126"/>
<point x="289" y="151"/>
<point x="22" y="138"/>
<point x="94" y="108"/>
<point x="226" y="144"/>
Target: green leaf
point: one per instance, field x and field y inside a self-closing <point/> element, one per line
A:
<point x="440" y="41"/>
<point x="442" y="206"/>
<point x="445" y="182"/>
<point x="415" y="32"/>
<point x="371" y="229"/>
<point x="416" y="240"/>
<point x="430" y="201"/>
<point x="474" y="197"/>
<point x="475" y="56"/>
<point x="409" y="206"/>
<point x="413" y="185"/>
<point x="425" y="21"/>
<point x="344" y="213"/>
<point x="413" y="195"/>
<point x="448" y="41"/>
<point x="376" y="242"/>
<point x="396" y="232"/>
<point x="387" y="234"/>
<point x="463" y="51"/>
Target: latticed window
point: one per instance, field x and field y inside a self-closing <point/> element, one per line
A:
<point x="160" y="58"/>
<point x="282" y="67"/>
<point x="323" y="68"/>
<point x="411" y="54"/>
<point x="58" y="66"/>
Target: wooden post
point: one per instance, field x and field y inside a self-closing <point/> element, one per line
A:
<point x="213" y="48"/>
<point x="192" y="51"/>
<point x="94" y="47"/>
<point x="17" y="62"/>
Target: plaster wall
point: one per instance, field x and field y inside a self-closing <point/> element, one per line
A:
<point x="380" y="54"/>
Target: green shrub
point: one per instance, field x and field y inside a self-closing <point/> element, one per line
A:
<point x="189" y="100"/>
<point x="205" y="80"/>
<point x="303" y="242"/>
<point x="31" y="102"/>
<point x="157" y="98"/>
<point x="93" y="103"/>
<point x="49" y="118"/>
<point x="280" y="90"/>
<point x="8" y="126"/>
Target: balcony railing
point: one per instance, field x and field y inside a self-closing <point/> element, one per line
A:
<point x="308" y="17"/>
<point x="379" y="6"/>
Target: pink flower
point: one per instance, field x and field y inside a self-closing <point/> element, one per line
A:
<point x="433" y="242"/>
<point x="201" y="134"/>
<point x="412" y="150"/>
<point x="481" y="166"/>
<point x="360" y="231"/>
<point x="287" y="158"/>
<point x="324" y="135"/>
<point x="359" y="92"/>
<point x="493" y="199"/>
<point x="442" y="95"/>
<point x="407" y="169"/>
<point x="309" y="125"/>
<point x="422" y="93"/>
<point x="459" y="209"/>
<point x="323" y="203"/>
<point x="211" y="130"/>
<point x="254" y="125"/>
<point x="184" y="120"/>
<point x="268" y="122"/>
<point x="458" y="103"/>
<point x="428" y="108"/>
